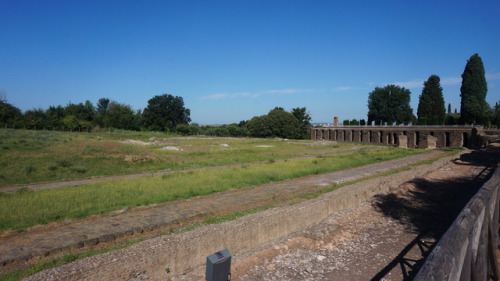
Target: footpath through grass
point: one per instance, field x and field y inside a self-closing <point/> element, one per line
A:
<point x="27" y="208"/>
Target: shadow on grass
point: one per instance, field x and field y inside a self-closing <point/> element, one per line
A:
<point x="430" y="208"/>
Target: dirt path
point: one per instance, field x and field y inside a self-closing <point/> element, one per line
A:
<point x="386" y="238"/>
<point x="19" y="249"/>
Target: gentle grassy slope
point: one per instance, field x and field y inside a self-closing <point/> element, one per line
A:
<point x="27" y="208"/>
<point x="35" y="156"/>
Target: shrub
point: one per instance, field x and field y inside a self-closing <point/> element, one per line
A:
<point x="64" y="163"/>
<point x="29" y="169"/>
<point x="79" y="169"/>
<point x="52" y="167"/>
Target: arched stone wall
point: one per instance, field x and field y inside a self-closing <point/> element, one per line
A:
<point x="411" y="137"/>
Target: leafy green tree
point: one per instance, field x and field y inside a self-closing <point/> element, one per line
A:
<point x="277" y="123"/>
<point x="35" y="119"/>
<point x="101" y="111"/>
<point x="82" y="112"/>
<point x="102" y="106"/>
<point x="235" y="131"/>
<point x="188" y="130"/>
<point x="431" y="109"/>
<point x="10" y="116"/>
<point x="121" y="116"/>
<point x="449" y="108"/>
<point x="304" y="118"/>
<point x="165" y="112"/>
<point x="389" y="104"/>
<point x="473" y="106"/>
<point x="71" y="122"/>
<point x="55" y="115"/>
<point x="452" y="119"/>
<point x="496" y="119"/>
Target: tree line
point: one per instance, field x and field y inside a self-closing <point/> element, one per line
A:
<point x="391" y="104"/>
<point x="163" y="113"/>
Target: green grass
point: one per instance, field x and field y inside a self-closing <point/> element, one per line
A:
<point x="219" y="219"/>
<point x="333" y="187"/>
<point x="27" y="208"/>
<point x="36" y="156"/>
<point x="20" y="274"/>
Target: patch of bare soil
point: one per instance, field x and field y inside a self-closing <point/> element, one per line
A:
<point x="386" y="238"/>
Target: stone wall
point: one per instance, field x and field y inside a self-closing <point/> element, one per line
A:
<point x="174" y="254"/>
<point x="403" y="136"/>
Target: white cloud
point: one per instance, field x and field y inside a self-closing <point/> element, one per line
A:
<point x="256" y="94"/>
<point x="215" y="96"/>
<point x="342" y="89"/>
<point x="220" y="96"/>
<point x="289" y="91"/>
<point x="451" y="81"/>
<point x="417" y="83"/>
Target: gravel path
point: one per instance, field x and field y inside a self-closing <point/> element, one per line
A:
<point x="384" y="239"/>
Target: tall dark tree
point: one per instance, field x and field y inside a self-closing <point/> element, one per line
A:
<point x="431" y="109"/>
<point x="102" y="106"/>
<point x="473" y="106"/>
<point x="449" y="108"/>
<point x="101" y="112"/>
<point x="496" y="118"/>
<point x="304" y="118"/>
<point x="164" y="112"/>
<point x="55" y="115"/>
<point x="10" y="116"/>
<point x="389" y="104"/>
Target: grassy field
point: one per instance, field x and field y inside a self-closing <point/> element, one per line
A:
<point x="36" y="156"/>
<point x="26" y="208"/>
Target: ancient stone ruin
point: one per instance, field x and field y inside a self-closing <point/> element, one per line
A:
<point x="430" y="137"/>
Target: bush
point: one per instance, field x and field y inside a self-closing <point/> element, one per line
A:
<point x="29" y="169"/>
<point x="79" y="169"/>
<point x="277" y="123"/>
<point x="64" y="163"/>
<point x="52" y="167"/>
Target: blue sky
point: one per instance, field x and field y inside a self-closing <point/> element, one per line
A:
<point x="232" y="60"/>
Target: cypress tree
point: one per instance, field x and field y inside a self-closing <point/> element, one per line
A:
<point x="431" y="109"/>
<point x="473" y="106"/>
